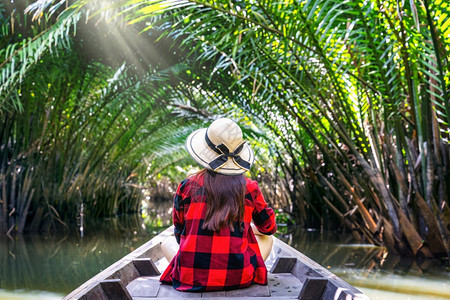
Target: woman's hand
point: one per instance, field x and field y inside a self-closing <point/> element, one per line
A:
<point x="255" y="230"/>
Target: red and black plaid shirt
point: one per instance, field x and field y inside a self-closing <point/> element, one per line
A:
<point x="223" y="260"/>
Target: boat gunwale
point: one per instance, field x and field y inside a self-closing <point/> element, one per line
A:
<point x="340" y="285"/>
<point x="116" y="266"/>
<point x="335" y="285"/>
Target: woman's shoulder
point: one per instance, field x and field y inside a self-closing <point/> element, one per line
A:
<point x="250" y="182"/>
<point x="189" y="186"/>
<point x="192" y="180"/>
<point x="252" y="185"/>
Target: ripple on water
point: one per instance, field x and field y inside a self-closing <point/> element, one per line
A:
<point x="391" y="286"/>
<point x="28" y="294"/>
<point x="375" y="294"/>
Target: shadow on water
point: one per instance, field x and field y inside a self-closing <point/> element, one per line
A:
<point x="371" y="268"/>
<point x="32" y="265"/>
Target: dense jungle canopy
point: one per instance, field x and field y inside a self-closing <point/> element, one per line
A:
<point x="345" y="102"/>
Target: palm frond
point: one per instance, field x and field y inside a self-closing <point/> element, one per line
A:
<point x="18" y="57"/>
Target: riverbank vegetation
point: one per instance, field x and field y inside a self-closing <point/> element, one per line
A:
<point x="346" y="103"/>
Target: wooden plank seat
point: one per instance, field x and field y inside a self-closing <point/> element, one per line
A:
<point x="109" y="289"/>
<point x="313" y="288"/>
<point x="280" y="285"/>
<point x="113" y="288"/>
<point x="316" y="282"/>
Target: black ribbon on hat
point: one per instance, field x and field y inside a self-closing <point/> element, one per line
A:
<point x="224" y="154"/>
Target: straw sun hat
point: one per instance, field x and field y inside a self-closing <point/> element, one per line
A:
<point x="220" y="148"/>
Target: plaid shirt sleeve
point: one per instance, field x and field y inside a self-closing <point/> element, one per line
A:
<point x="178" y="209"/>
<point x="263" y="215"/>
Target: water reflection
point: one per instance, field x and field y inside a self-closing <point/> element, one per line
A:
<point x="27" y="294"/>
<point x="371" y="268"/>
<point x="59" y="263"/>
<point x="50" y="266"/>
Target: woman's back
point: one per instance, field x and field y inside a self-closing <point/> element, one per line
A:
<point x="223" y="259"/>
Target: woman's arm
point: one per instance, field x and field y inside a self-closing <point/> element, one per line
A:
<point x="263" y="216"/>
<point x="178" y="210"/>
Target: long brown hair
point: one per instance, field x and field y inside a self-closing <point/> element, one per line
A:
<point x="224" y="200"/>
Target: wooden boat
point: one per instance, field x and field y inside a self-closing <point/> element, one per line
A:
<point x="292" y="275"/>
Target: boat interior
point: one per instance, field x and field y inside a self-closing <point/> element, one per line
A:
<point x="291" y="275"/>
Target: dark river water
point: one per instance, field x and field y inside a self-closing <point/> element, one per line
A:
<point x="50" y="266"/>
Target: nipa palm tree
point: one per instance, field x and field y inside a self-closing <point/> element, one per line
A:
<point x="355" y="91"/>
<point x="78" y="132"/>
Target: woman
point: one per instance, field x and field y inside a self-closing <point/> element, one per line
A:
<point x="212" y="214"/>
